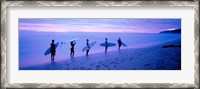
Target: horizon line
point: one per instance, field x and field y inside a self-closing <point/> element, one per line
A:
<point x="83" y="32"/>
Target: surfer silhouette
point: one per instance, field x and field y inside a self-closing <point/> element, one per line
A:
<point x="87" y="43"/>
<point x="106" y="47"/>
<point x="119" y="43"/>
<point x="72" y="48"/>
<point x="53" y="50"/>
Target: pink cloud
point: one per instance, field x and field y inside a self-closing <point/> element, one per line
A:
<point x="71" y="28"/>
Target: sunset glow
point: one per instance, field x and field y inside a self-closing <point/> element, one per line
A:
<point x="99" y="25"/>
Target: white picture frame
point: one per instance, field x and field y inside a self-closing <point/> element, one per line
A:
<point x="4" y="39"/>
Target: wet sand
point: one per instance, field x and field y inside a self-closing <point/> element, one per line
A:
<point x="148" y="58"/>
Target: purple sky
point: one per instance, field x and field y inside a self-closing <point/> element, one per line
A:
<point x="128" y="25"/>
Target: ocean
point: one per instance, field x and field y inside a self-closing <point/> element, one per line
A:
<point x="32" y="45"/>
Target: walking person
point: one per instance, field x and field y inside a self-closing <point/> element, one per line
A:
<point x="72" y="48"/>
<point x="87" y="51"/>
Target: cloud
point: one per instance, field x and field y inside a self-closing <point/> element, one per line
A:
<point x="98" y="25"/>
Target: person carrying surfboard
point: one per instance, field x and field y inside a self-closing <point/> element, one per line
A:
<point x="87" y="43"/>
<point x="106" y="45"/>
<point x="72" y="48"/>
<point x="53" y="50"/>
<point x="119" y="43"/>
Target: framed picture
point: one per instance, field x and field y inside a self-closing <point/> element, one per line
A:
<point x="100" y="44"/>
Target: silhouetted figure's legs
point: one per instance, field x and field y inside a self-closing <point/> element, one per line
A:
<point x="73" y="53"/>
<point x="119" y="50"/>
<point x="119" y="47"/>
<point x="87" y="52"/>
<point x="52" y="56"/>
<point x="106" y="49"/>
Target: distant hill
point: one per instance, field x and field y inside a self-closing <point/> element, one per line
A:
<point x="176" y="31"/>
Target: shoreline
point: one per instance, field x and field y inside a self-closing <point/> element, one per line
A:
<point x="126" y="59"/>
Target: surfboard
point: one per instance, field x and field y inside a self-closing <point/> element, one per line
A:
<point x="109" y="44"/>
<point x="123" y="44"/>
<point x="90" y="45"/>
<point x="75" y="39"/>
<point x="48" y="51"/>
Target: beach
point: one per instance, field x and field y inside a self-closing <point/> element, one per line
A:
<point x="153" y="57"/>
